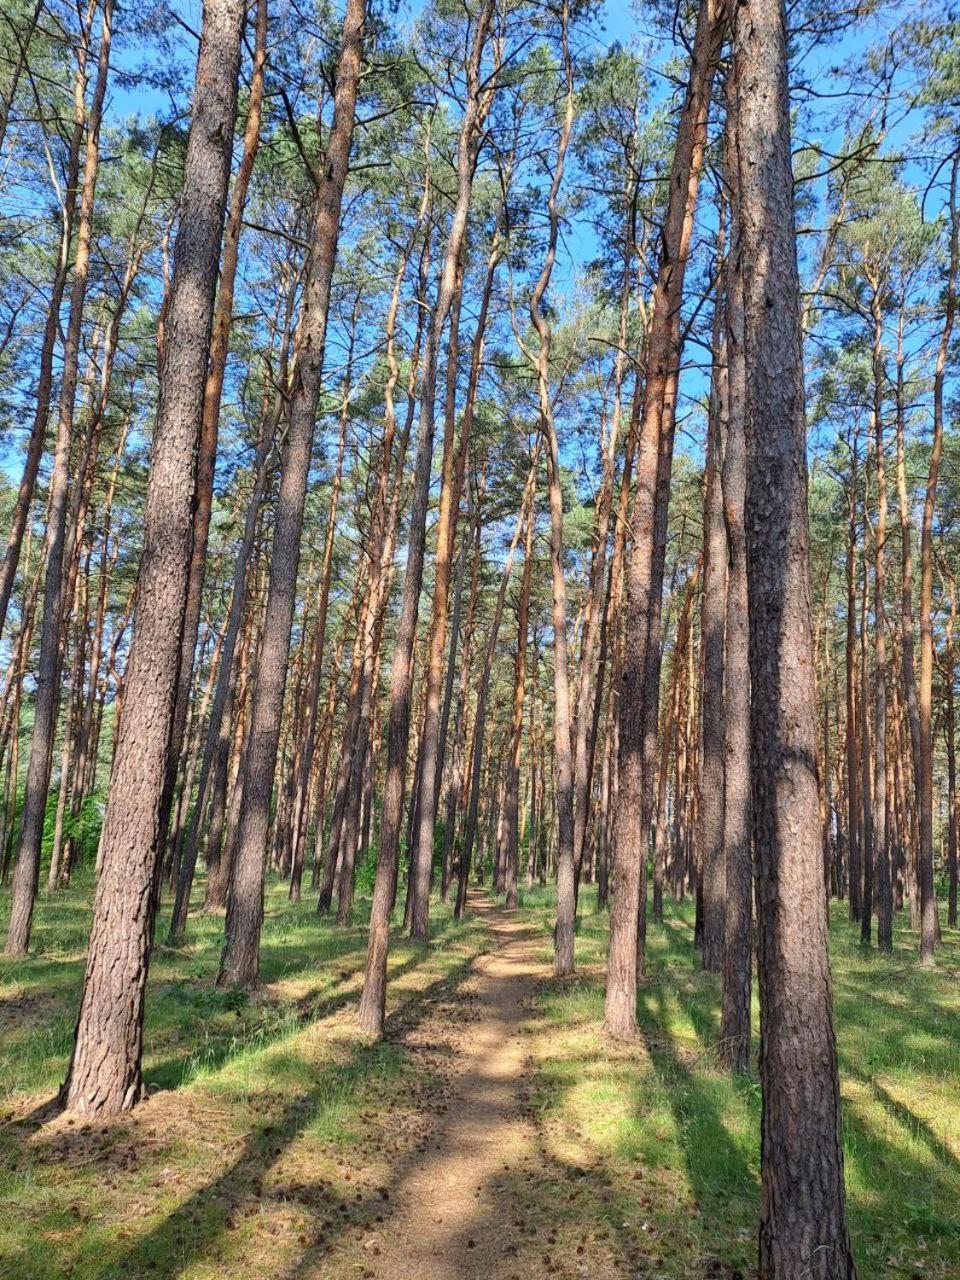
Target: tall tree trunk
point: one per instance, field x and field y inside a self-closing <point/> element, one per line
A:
<point x="950" y="730"/>
<point x="929" y="923"/>
<point x="423" y="811"/>
<point x="563" y="957"/>
<point x="216" y="752"/>
<point x="318" y="641"/>
<point x="908" y="663"/>
<point x="27" y="871"/>
<point x="854" y="829"/>
<point x="803" y="1227"/>
<point x="710" y="776"/>
<point x="240" y="963"/>
<point x="654" y="410"/>
<point x="373" y="1001"/>
<point x="213" y="392"/>
<point x="461" y="751"/>
<point x="881" y="834"/>
<point x="104" y="1074"/>
<point x="864" y="718"/>
<point x="737" y="852"/>
<point x="589" y="684"/>
<point x="512" y="787"/>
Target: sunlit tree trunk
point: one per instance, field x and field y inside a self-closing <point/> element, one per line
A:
<point x="654" y="406"/>
<point x="47" y="702"/>
<point x="563" y="959"/>
<point x="104" y="1074"/>
<point x="907" y="658"/>
<point x="240" y="963"/>
<point x="373" y="1001"/>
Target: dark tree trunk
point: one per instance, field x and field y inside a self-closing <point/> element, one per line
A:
<point x="803" y="1229"/>
<point x="210" y="422"/>
<point x="710" y="776"/>
<point x="854" y="828"/>
<point x="866" y="772"/>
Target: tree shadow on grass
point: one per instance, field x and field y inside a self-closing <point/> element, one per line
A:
<point x="194" y="1230"/>
<point x="279" y="1019"/>
<point x="917" y="1128"/>
<point x="901" y="1201"/>
<point x="716" y="1164"/>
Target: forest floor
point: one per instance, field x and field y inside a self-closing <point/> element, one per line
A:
<point x="492" y="1133"/>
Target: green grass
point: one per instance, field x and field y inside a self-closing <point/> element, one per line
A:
<point x="678" y="1139"/>
<point x="239" y="1157"/>
<point x="274" y="1125"/>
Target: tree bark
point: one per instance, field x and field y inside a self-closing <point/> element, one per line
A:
<point x="710" y="775"/>
<point x="27" y="870"/>
<point x="654" y="407"/>
<point x="240" y="963"/>
<point x="563" y="957"/>
<point x="737" y="852"/>
<point x="512" y="787"/>
<point x="881" y="834"/>
<point x="803" y="1227"/>
<point x="854" y="829"/>
<point x="216" y="752"/>
<point x="104" y="1074"/>
<point x="907" y="656"/>
<point x="373" y="1000"/>
<point x="213" y="393"/>
<point x="929" y="923"/>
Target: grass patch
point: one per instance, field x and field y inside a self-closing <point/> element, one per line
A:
<point x="678" y="1139"/>
<point x="262" y="1146"/>
<point x="276" y="1136"/>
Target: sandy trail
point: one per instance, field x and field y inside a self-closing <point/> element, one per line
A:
<point x="450" y="1218"/>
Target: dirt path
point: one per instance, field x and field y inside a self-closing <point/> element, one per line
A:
<point x="451" y="1213"/>
<point x="438" y="1153"/>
